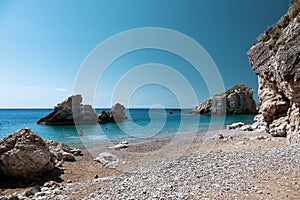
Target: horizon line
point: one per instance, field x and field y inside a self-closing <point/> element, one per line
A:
<point x="3" y="108"/>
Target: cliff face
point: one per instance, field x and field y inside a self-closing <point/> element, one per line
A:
<point x="276" y="61"/>
<point x="237" y="100"/>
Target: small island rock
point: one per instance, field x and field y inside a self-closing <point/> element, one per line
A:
<point x="70" y="111"/>
<point x="116" y="114"/>
<point x="237" y="100"/>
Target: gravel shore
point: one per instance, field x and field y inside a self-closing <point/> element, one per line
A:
<point x="247" y="166"/>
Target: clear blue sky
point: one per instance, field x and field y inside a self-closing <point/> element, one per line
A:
<point x="43" y="44"/>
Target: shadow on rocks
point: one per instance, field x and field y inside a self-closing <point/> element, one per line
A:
<point x="12" y="183"/>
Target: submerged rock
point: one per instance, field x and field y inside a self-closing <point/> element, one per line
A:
<point x="237" y="100"/>
<point x="276" y="61"/>
<point x="25" y="155"/>
<point x="70" y="111"/>
<point x="116" y="114"/>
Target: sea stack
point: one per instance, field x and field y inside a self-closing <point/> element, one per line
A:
<point x="276" y="61"/>
<point x="237" y="100"/>
<point x="116" y="114"/>
<point x="70" y="111"/>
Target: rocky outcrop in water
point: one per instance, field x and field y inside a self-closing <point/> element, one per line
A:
<point x="276" y="61"/>
<point x="70" y="111"/>
<point x="25" y="155"/>
<point x="237" y="100"/>
<point x="116" y="114"/>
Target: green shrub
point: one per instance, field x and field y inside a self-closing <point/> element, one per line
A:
<point x="281" y="42"/>
<point x="284" y="22"/>
<point x="272" y="45"/>
<point x="231" y="90"/>
<point x="295" y="9"/>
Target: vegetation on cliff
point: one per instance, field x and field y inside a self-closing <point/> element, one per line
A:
<point x="273" y="33"/>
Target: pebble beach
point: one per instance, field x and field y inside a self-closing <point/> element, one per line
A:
<point x="237" y="165"/>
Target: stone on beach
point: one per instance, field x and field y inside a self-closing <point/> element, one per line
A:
<point x="235" y="125"/>
<point x="63" y="152"/>
<point x="25" y="155"/>
<point x="121" y="145"/>
<point x="108" y="160"/>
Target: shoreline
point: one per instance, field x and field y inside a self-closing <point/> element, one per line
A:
<point x="86" y="175"/>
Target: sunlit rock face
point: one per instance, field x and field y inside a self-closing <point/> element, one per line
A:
<point x="276" y="61"/>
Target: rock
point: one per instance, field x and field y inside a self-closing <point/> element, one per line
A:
<point x="70" y="111"/>
<point x="221" y="136"/>
<point x="25" y="155"/>
<point x="50" y="184"/>
<point x="121" y="145"/>
<point x="108" y="160"/>
<point x="63" y="152"/>
<point x="235" y="125"/>
<point x="276" y="61"/>
<point x="32" y="191"/>
<point x="237" y="100"/>
<point x="116" y="114"/>
<point x="246" y="128"/>
<point x="241" y="143"/>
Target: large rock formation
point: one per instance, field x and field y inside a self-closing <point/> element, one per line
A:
<point x="276" y="61"/>
<point x="116" y="114"/>
<point x="70" y="111"/>
<point x="237" y="100"/>
<point x="25" y="155"/>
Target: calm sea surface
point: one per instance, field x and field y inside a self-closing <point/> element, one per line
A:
<point x="143" y="124"/>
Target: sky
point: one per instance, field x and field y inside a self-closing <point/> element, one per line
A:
<point x="44" y="45"/>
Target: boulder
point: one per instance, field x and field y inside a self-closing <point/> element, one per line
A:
<point x="25" y="155"/>
<point x="121" y="145"/>
<point x="276" y="62"/>
<point x="63" y="152"/>
<point x="108" y="160"/>
<point x="235" y="125"/>
<point x="237" y="100"/>
<point x="116" y="114"/>
<point x="70" y="111"/>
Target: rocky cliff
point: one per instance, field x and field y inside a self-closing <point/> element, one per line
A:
<point x="237" y="100"/>
<point x="276" y="61"/>
<point x="70" y="110"/>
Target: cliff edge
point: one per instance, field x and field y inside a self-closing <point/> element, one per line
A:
<point x="276" y="61"/>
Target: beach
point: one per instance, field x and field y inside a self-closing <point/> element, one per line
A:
<point x="236" y="165"/>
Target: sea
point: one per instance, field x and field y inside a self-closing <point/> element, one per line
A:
<point x="142" y="125"/>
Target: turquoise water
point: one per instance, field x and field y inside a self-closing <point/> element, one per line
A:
<point x="143" y="124"/>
